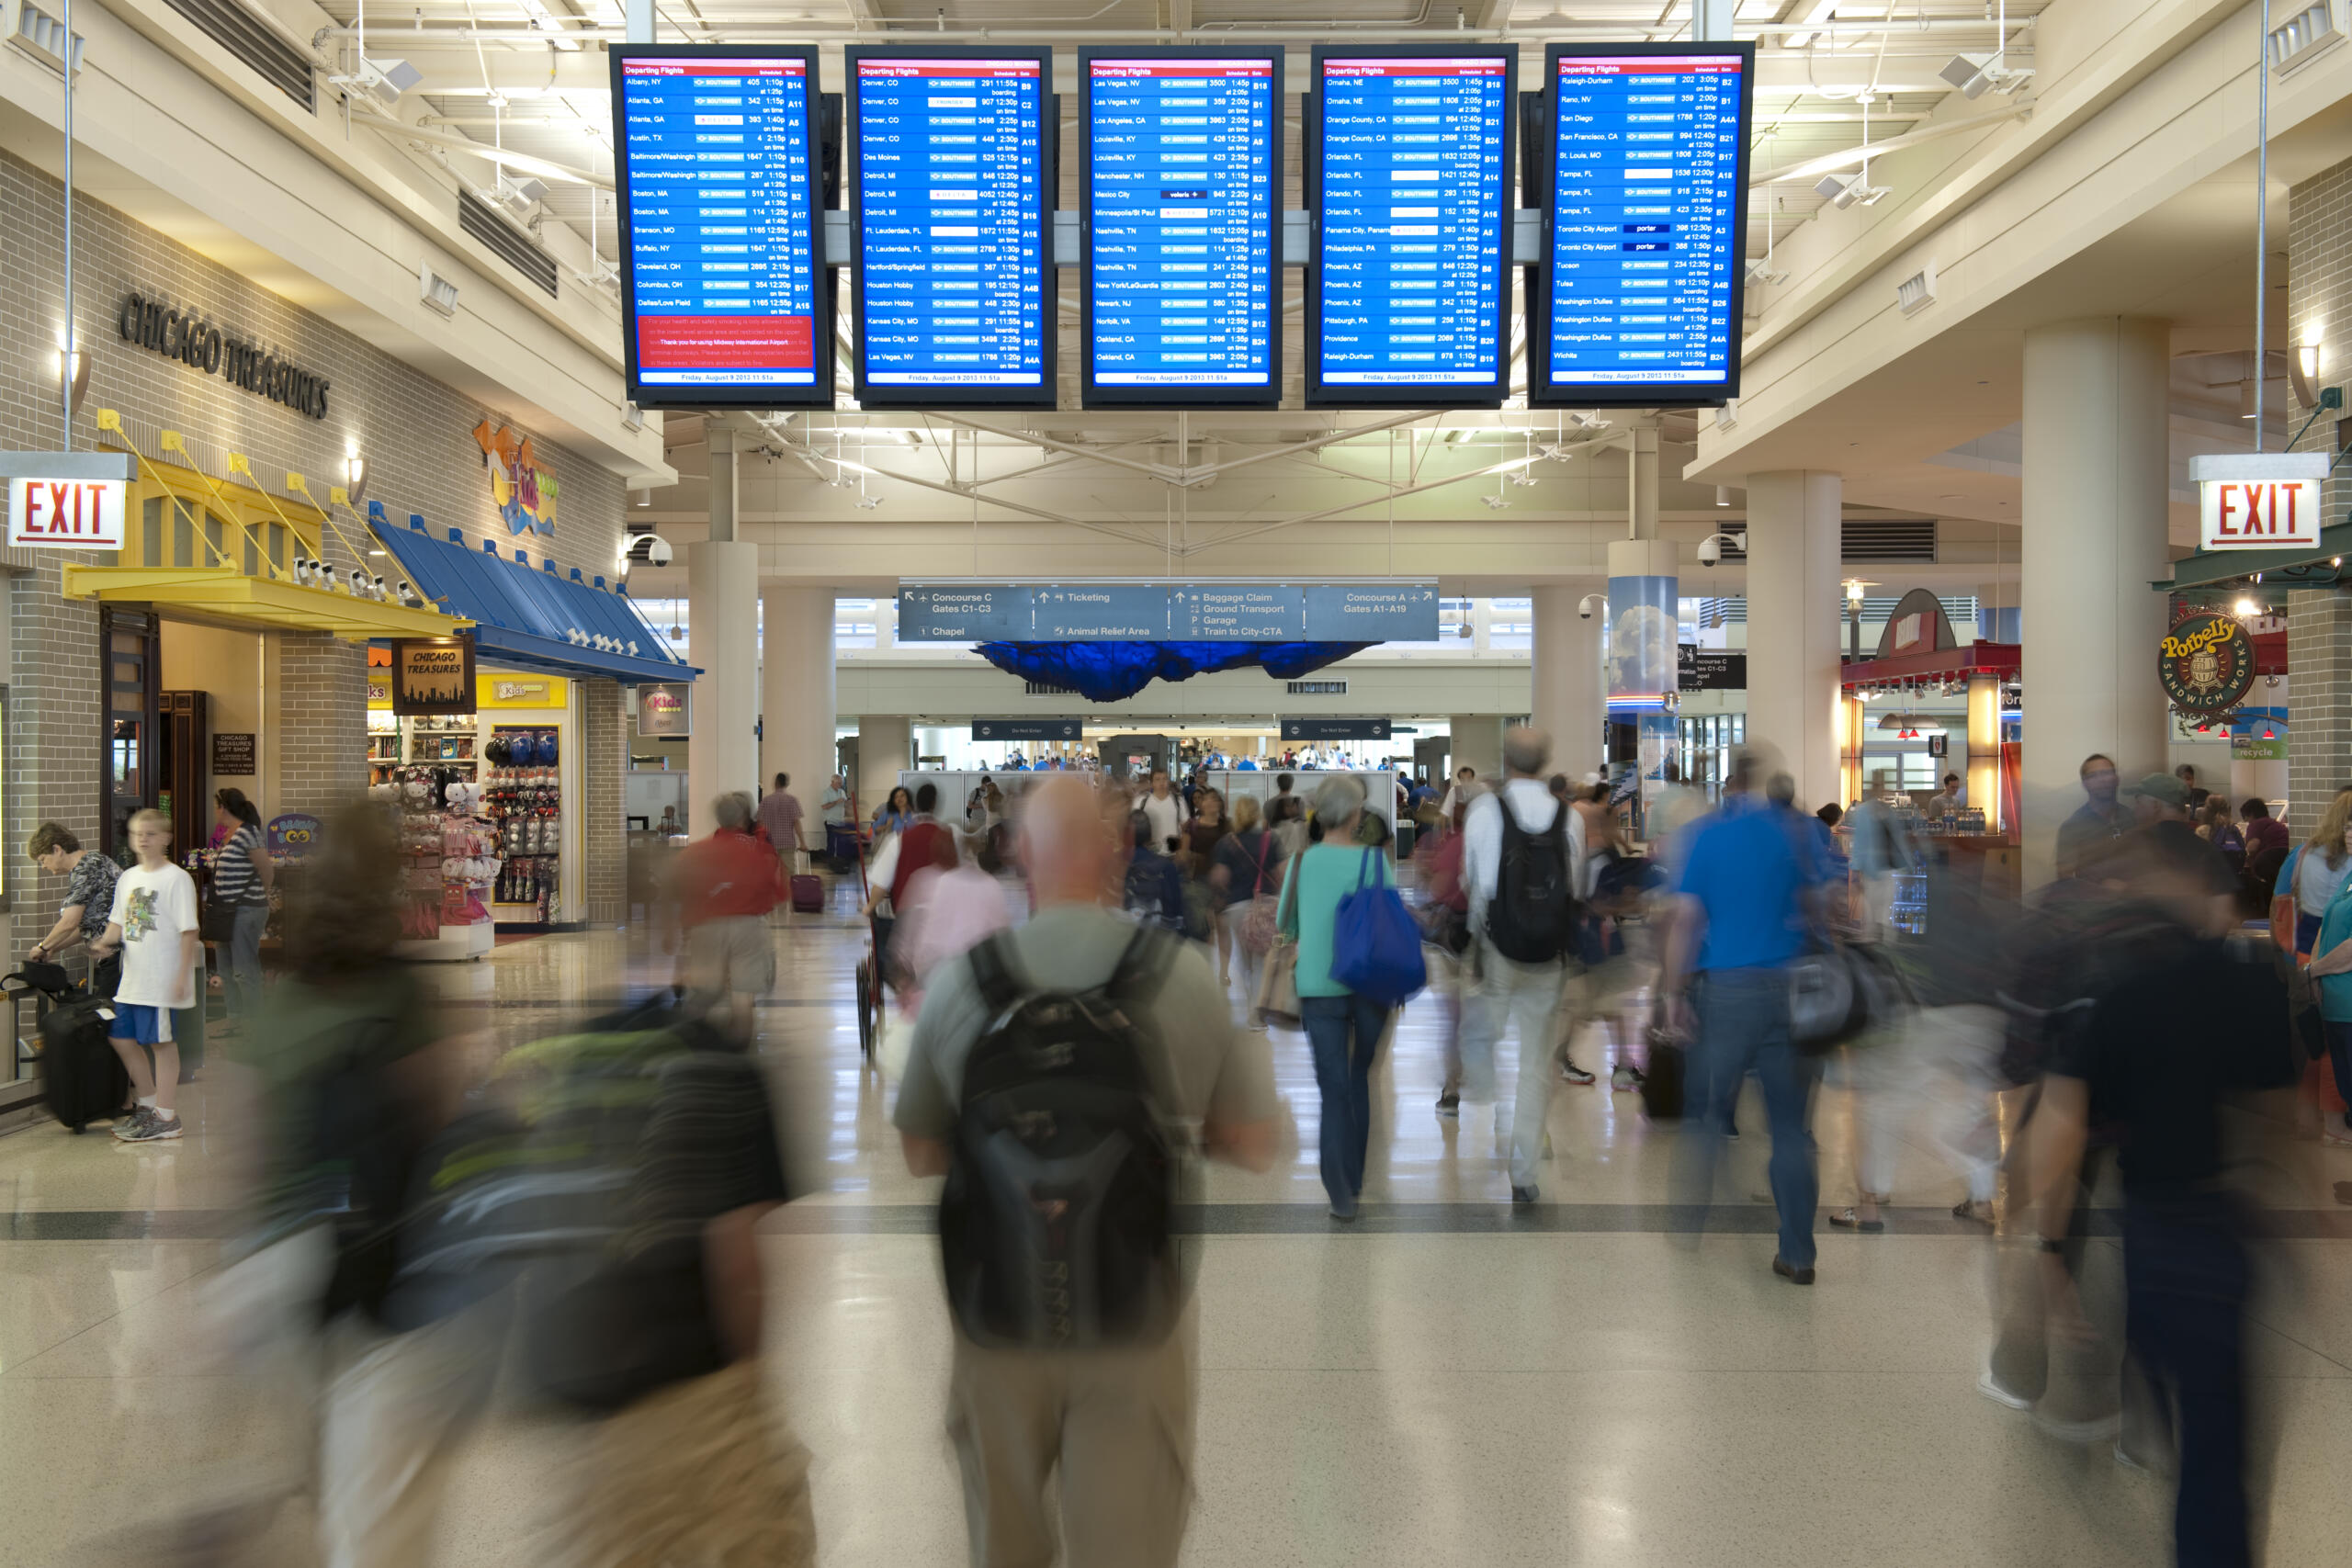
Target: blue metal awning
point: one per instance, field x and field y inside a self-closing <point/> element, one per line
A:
<point x="530" y="616"/>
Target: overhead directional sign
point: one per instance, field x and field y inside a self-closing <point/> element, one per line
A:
<point x="1126" y="611"/>
<point x="1028" y="729"/>
<point x="1335" y="729"/>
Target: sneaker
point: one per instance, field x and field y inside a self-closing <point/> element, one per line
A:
<point x="1626" y="1077"/>
<point x="1977" y="1208"/>
<point x="126" y="1122"/>
<point x="2097" y="1429"/>
<point x="1449" y="1104"/>
<point x="1999" y="1392"/>
<point x="1521" y="1195"/>
<point x="1571" y="1073"/>
<point x="149" y="1127"/>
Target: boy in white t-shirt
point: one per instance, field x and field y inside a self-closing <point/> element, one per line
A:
<point x="155" y="928"/>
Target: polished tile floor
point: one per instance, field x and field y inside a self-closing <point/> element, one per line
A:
<point x="1451" y="1381"/>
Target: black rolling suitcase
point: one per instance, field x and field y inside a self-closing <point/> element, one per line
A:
<point x="82" y="1078"/>
<point x="1662" y="1078"/>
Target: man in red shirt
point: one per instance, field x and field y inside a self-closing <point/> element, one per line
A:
<point x="726" y="885"/>
<point x="925" y="842"/>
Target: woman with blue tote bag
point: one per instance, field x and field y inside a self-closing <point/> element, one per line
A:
<point x="1333" y="906"/>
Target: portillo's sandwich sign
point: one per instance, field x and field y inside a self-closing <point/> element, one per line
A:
<point x="2206" y="663"/>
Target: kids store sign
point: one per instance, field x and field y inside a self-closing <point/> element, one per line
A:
<point x="524" y="492"/>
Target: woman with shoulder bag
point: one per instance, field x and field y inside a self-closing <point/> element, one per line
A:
<point x="1343" y="1026"/>
<point x="1246" y="870"/>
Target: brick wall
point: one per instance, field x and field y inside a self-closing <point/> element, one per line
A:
<point x="319" y="693"/>
<point x="604" y="757"/>
<point x="2319" y="623"/>
<point x="416" y="434"/>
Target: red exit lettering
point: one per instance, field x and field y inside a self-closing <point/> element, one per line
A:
<point x="2250" y="511"/>
<point x="67" y="511"/>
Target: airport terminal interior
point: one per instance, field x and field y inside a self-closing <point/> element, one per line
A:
<point x="1150" y="782"/>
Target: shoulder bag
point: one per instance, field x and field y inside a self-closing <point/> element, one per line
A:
<point x="1277" y="999"/>
<point x="1375" y="946"/>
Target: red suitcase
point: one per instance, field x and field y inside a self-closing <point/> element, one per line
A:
<point x="808" y="892"/>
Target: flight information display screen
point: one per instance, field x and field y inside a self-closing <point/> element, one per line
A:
<point x="725" y="297"/>
<point x="1406" y="286"/>
<point x="1182" y="172"/>
<point x="953" y="181"/>
<point x="1646" y="225"/>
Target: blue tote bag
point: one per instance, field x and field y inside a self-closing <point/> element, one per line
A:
<point x="1375" y="943"/>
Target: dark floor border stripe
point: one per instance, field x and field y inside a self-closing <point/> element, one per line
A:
<point x="1236" y="1219"/>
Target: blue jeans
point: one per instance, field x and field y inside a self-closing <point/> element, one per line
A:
<point x="1344" y="1032"/>
<point x="2186" y="1280"/>
<point x="1744" y="1028"/>
<point x="2339" y="1055"/>
<point x="242" y="983"/>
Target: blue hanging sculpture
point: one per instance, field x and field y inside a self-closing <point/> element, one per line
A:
<point x="1108" y="671"/>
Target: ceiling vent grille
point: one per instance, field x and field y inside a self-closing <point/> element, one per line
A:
<point x="2305" y="37"/>
<point x="256" y="42"/>
<point x="1916" y="292"/>
<point x="1319" y="688"/>
<point x="1876" y="539"/>
<point x="516" y="249"/>
<point x="1041" y="689"/>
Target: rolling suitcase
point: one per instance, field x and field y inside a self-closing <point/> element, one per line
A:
<point x="808" y="891"/>
<point x="1662" y="1078"/>
<point x="82" y="1080"/>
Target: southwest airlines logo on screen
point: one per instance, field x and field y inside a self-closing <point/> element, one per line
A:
<point x="950" y="273"/>
<point x="1182" y="221"/>
<point x="1412" y="200"/>
<point x="1646" y="206"/>
<point x="718" y="155"/>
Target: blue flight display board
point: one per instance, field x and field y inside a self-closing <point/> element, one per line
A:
<point x="1124" y="611"/>
<point x="952" y="181"/>
<point x="724" y="297"/>
<point x="1409" y="294"/>
<point x="1645" y="225"/>
<point x="1179" y="226"/>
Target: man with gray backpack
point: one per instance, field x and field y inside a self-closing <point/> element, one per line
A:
<point x="1064" y="1078"/>
<point x="1522" y="859"/>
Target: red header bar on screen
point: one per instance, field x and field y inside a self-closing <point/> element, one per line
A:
<point x="1651" y="65"/>
<point x="746" y="67"/>
<point x="1116" y="69"/>
<point x="948" y="68"/>
<point x="1414" y="67"/>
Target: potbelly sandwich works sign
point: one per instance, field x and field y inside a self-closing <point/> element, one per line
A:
<point x="2206" y="663"/>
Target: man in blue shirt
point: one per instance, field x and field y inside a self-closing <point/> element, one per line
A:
<point x="1745" y="902"/>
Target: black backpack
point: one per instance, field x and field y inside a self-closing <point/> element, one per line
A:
<point x="1532" y="917"/>
<point x="1058" y="1224"/>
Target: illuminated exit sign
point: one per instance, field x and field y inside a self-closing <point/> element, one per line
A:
<point x="72" y="500"/>
<point x="2259" y="500"/>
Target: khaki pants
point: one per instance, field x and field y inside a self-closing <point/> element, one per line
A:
<point x="730" y="957"/>
<point x="1119" y="1425"/>
<point x="701" y="1475"/>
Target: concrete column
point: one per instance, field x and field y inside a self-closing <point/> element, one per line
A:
<point x="1568" y="686"/>
<point x="884" y="746"/>
<point x="722" y="641"/>
<point x="1796" y="617"/>
<point x="2095" y="488"/>
<point x="1478" y="744"/>
<point x="1641" y="480"/>
<point x="796" y="694"/>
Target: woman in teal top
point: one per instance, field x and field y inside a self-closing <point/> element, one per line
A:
<point x="1343" y="1028"/>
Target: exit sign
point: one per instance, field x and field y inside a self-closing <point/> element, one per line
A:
<point x="2259" y="500"/>
<point x="72" y="500"/>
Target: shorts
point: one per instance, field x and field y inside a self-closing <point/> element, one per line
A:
<point x="137" y="1022"/>
<point x="734" y="956"/>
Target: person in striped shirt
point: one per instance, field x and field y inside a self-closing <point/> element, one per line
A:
<point x="242" y="878"/>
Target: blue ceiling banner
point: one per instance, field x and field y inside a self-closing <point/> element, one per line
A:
<point x="530" y="616"/>
<point x="1111" y="671"/>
